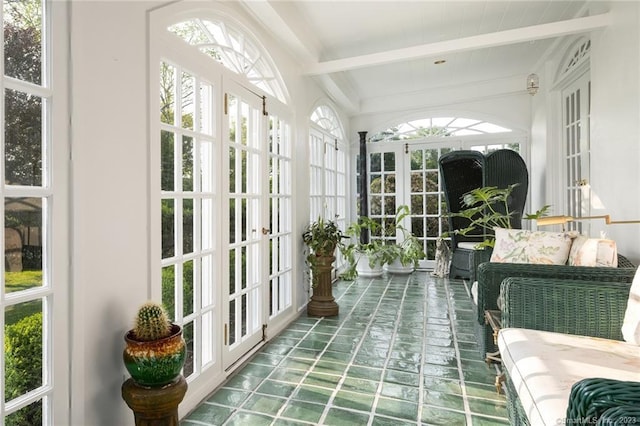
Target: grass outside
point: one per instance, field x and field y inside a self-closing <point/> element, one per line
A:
<point x="18" y="281"/>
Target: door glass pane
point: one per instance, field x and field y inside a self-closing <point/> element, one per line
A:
<point x="23" y="243"/>
<point x="23" y="139"/>
<point x="23" y="40"/>
<point x="167" y="155"/>
<point x="23" y="371"/>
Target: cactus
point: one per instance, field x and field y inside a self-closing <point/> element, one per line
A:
<point x="151" y="323"/>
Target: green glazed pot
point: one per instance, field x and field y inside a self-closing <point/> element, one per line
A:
<point x="155" y="363"/>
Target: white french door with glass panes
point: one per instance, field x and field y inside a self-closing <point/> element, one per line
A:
<point x="407" y="173"/>
<point x="575" y="119"/>
<point x="221" y="207"/>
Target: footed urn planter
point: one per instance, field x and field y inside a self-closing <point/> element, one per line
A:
<point x="322" y="303"/>
<point x="155" y="363"/>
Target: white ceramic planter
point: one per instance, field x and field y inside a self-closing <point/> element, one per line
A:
<point x="396" y="267"/>
<point x="364" y="270"/>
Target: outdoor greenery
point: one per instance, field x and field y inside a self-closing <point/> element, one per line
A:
<point x="23" y="366"/>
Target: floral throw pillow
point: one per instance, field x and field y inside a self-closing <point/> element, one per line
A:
<point x="523" y="246"/>
<point x="593" y="252"/>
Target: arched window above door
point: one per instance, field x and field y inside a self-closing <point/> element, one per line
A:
<point x="326" y="118"/>
<point x="234" y="49"/>
<point x="438" y="127"/>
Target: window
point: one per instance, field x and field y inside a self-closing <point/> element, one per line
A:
<point x="187" y="204"/>
<point x="328" y="164"/>
<point x="232" y="48"/>
<point x="438" y="127"/>
<point x="29" y="282"/>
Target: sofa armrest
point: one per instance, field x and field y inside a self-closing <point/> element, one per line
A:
<point x="490" y="275"/>
<point x="605" y="400"/>
<point x="586" y="308"/>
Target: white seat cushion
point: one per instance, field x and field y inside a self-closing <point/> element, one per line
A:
<point x="467" y="245"/>
<point x="543" y="366"/>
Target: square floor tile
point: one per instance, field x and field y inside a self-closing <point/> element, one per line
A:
<point x="353" y="400"/>
<point x="341" y="417"/>
<point x="313" y="394"/>
<point x="397" y="408"/>
<point x="301" y="410"/>
<point x="267" y="404"/>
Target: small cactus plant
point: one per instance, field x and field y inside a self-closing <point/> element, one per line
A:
<point x="151" y="323"/>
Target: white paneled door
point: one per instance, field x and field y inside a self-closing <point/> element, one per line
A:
<point x="243" y="291"/>
<point x="575" y="119"/>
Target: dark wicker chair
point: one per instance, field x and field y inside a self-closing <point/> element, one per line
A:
<point x="464" y="171"/>
<point x="588" y="308"/>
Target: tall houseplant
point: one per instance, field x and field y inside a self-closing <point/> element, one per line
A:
<point x="322" y="237"/>
<point x="487" y="208"/>
<point x="155" y="349"/>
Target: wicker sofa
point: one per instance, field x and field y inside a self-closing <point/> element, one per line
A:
<point x="557" y="332"/>
<point x="490" y="275"/>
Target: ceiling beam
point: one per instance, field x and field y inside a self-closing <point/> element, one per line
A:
<point x="499" y="38"/>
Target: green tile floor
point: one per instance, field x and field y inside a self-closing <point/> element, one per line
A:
<point x="401" y="352"/>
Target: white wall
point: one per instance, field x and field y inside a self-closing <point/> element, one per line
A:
<point x="110" y="211"/>
<point x="615" y="124"/>
<point x="615" y="128"/>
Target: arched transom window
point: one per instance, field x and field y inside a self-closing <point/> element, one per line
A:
<point x="324" y="117"/>
<point x="438" y="127"/>
<point x="230" y="47"/>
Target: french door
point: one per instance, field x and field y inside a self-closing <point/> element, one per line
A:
<point x="408" y="175"/>
<point x="243" y="292"/>
<point x="575" y="120"/>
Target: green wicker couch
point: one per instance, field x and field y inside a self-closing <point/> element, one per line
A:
<point x="593" y="308"/>
<point x="490" y="275"/>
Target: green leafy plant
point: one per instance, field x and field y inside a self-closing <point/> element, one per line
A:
<point x="321" y="237"/>
<point x="151" y="323"/>
<point x="410" y="250"/>
<point x="487" y="208"/>
<point x="378" y="250"/>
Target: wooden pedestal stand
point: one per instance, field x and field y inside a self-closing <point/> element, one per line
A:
<point x="322" y="302"/>
<point x="154" y="406"/>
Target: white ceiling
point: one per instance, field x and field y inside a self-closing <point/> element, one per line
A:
<point x="366" y="52"/>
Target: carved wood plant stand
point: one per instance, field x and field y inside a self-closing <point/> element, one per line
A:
<point x="322" y="303"/>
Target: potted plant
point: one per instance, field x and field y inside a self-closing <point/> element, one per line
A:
<point x="322" y="237"/>
<point x="155" y="349"/>
<point x="487" y="208"/>
<point x="366" y="259"/>
<point x="405" y="255"/>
